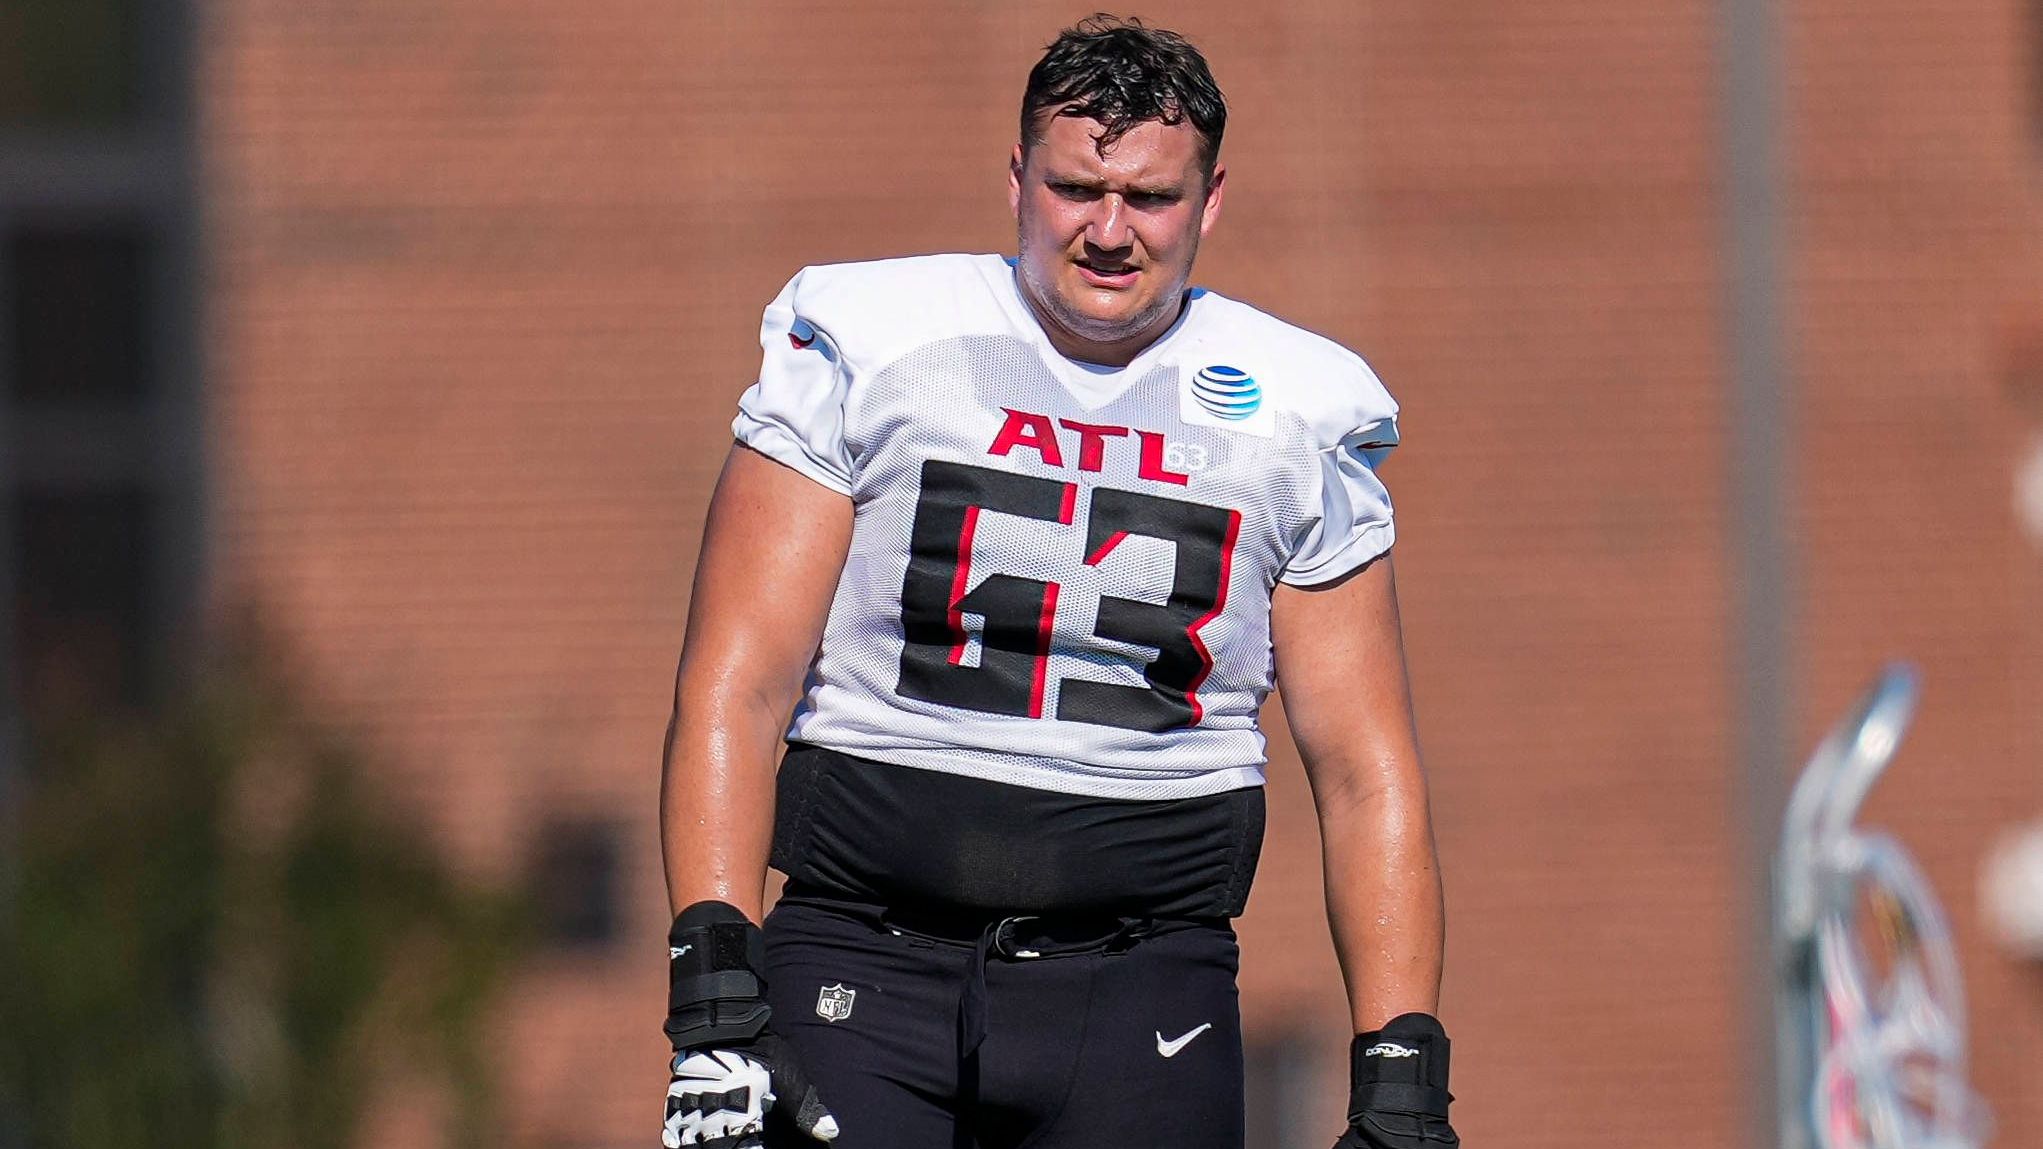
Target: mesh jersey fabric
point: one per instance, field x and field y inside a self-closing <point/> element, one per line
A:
<point x="1060" y="574"/>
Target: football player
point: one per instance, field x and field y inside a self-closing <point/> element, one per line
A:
<point x="1031" y="540"/>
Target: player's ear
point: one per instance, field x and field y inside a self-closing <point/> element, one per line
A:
<point x="1014" y="173"/>
<point x="1214" y="186"/>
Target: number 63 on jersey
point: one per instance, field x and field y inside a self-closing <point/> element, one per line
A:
<point x="1012" y="671"/>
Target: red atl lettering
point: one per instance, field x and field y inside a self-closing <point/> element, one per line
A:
<point x="1024" y="429"/>
<point x="1039" y="433"/>
<point x="1092" y="441"/>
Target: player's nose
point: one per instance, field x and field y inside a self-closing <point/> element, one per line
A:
<point x="1108" y="228"/>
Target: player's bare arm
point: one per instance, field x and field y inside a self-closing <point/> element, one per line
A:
<point x="1341" y="668"/>
<point x="772" y="549"/>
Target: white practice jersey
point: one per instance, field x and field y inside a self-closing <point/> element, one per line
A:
<point x="1060" y="573"/>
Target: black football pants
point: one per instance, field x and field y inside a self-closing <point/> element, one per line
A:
<point x="1050" y="1035"/>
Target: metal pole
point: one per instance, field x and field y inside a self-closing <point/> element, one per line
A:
<point x="1760" y="439"/>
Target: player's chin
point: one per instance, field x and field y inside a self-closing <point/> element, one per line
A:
<point x="1106" y="325"/>
<point x="1107" y="306"/>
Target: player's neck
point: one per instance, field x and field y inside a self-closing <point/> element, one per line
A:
<point x="1114" y="353"/>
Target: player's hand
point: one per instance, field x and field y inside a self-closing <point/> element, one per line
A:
<point x="723" y="1098"/>
<point x="731" y="1073"/>
<point x="1398" y="1095"/>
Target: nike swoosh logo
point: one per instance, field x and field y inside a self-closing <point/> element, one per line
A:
<point x="799" y="343"/>
<point x="1170" y="1048"/>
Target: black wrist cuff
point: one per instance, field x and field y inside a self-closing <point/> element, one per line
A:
<point x="716" y="989"/>
<point x="1386" y="1097"/>
<point x="1401" y="1068"/>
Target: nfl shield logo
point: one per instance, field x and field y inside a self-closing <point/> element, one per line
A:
<point x="833" y="1003"/>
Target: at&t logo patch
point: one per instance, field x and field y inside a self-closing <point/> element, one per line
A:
<point x="1229" y="392"/>
<point x="1219" y="395"/>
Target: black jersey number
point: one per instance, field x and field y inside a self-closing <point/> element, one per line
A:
<point x="1014" y="645"/>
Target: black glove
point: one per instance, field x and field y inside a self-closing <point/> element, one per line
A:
<point x="730" y="1070"/>
<point x="1397" y="1092"/>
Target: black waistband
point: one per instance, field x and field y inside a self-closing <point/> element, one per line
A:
<point x="979" y="851"/>
<point x="1015" y="938"/>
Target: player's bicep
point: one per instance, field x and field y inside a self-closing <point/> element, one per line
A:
<point x="772" y="549"/>
<point x="1341" y="674"/>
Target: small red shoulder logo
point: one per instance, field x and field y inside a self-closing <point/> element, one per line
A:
<point x="801" y="335"/>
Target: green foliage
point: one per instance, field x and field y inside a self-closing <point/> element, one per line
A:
<point x="216" y="937"/>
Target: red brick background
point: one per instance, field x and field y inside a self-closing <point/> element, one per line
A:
<point x="484" y="284"/>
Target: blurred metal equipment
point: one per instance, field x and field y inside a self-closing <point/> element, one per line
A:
<point x="1871" y="1018"/>
<point x="2011" y="892"/>
<point x="2029" y="490"/>
<point x="1757" y="247"/>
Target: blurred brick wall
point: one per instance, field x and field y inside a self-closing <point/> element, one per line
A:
<point x="486" y="278"/>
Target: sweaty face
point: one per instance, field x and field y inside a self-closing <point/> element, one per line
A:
<point x="1106" y="242"/>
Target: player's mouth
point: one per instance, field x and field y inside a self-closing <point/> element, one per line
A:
<point x="1100" y="273"/>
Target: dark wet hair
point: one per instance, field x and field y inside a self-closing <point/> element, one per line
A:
<point x="1121" y="73"/>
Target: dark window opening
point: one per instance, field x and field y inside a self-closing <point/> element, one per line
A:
<point x="577" y="883"/>
<point x="82" y="611"/>
<point x="79" y="301"/>
<point x="69" y="63"/>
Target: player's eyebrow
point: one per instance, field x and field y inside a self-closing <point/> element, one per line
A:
<point x="1100" y="184"/>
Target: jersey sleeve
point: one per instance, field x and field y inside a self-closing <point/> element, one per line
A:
<point x="1355" y="524"/>
<point x="794" y="414"/>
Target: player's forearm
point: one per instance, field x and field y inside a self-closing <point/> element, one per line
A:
<point x="1384" y="903"/>
<point x="716" y="794"/>
<point x="772" y="547"/>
